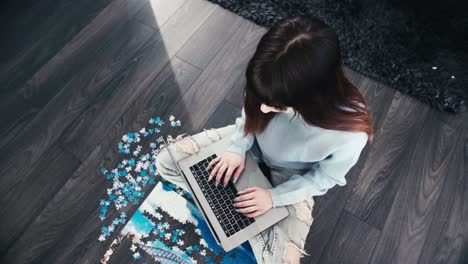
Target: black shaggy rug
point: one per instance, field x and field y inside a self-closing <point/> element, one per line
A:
<point x="417" y="47"/>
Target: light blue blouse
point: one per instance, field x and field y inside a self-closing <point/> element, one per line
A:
<point x="292" y="143"/>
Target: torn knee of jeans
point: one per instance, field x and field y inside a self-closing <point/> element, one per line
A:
<point x="292" y="253"/>
<point x="212" y="134"/>
<point x="187" y="145"/>
<point x="304" y="211"/>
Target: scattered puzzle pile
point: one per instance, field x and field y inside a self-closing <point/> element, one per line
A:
<point x="167" y="227"/>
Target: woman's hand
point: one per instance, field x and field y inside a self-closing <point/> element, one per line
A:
<point x="253" y="201"/>
<point x="233" y="162"/>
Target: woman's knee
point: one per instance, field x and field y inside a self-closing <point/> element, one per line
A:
<point x="293" y="253"/>
<point x="294" y="246"/>
<point x="187" y="145"/>
<point x="162" y="161"/>
<point x="303" y="211"/>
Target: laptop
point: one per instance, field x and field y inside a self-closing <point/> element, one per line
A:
<point x="229" y="228"/>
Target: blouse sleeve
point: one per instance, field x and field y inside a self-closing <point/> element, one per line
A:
<point x="239" y="143"/>
<point x="319" y="179"/>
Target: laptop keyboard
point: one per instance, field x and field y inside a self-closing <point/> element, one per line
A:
<point x="220" y="198"/>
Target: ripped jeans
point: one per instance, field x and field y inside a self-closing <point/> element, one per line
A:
<point x="281" y="243"/>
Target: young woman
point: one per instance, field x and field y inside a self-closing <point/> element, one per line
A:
<point x="302" y="119"/>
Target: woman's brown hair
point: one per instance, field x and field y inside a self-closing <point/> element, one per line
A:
<point x="298" y="64"/>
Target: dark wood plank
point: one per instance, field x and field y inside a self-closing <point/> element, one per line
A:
<point x="44" y="84"/>
<point x="181" y="21"/>
<point x="157" y="12"/>
<point x="424" y="171"/>
<point x="225" y="115"/>
<point x="83" y="135"/>
<point x="21" y="204"/>
<point x="79" y="52"/>
<point x="15" y="114"/>
<point x="389" y="157"/>
<point x="218" y="77"/>
<point x="459" y="120"/>
<point x="351" y="242"/>
<point x="448" y="233"/>
<point x="206" y="42"/>
<point x="379" y="98"/>
<point x="377" y="95"/>
<point x="236" y="93"/>
<point x="355" y="77"/>
<point x="58" y="225"/>
<point x="49" y="26"/>
<point x="81" y="93"/>
<point x="11" y="9"/>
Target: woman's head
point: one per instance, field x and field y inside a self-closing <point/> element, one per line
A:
<point x="297" y="67"/>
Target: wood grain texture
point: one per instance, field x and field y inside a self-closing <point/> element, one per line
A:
<point x="15" y="115"/>
<point x="380" y="177"/>
<point x="352" y="241"/>
<point x="448" y="233"/>
<point x="80" y="93"/>
<point x="236" y="94"/>
<point x="146" y="64"/>
<point x="24" y="54"/>
<point x="21" y="204"/>
<point x="424" y="172"/>
<point x="59" y="226"/>
<point x="53" y="76"/>
<point x="378" y="97"/>
<point x="459" y="121"/>
<point x="225" y="115"/>
<point x="214" y="84"/>
<point x="156" y="13"/>
<point x="210" y="37"/>
<point x="79" y="51"/>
